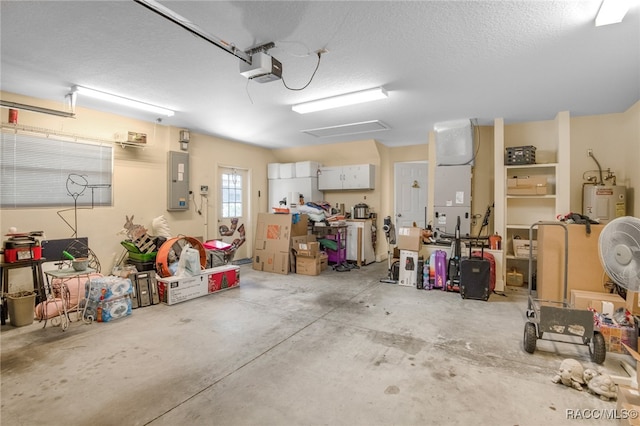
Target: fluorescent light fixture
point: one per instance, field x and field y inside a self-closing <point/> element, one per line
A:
<point x="96" y="94"/>
<point x="341" y="100"/>
<point x="612" y="12"/>
<point x="347" y="129"/>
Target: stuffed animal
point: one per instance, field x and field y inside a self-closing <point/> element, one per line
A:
<point x="571" y="373"/>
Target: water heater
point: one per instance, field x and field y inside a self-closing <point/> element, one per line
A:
<point x="604" y="203"/>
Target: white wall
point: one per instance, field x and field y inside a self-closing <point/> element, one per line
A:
<point x="139" y="183"/>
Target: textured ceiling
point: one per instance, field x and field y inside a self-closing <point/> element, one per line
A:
<point x="439" y="61"/>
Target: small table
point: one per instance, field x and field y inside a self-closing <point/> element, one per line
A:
<point x="38" y="284"/>
<point x="64" y="275"/>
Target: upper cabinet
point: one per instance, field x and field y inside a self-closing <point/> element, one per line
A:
<point x="339" y="178"/>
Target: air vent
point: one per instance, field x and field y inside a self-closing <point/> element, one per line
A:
<point x="348" y="129"/>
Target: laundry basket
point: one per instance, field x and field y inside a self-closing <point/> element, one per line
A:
<point x="20" y="307"/>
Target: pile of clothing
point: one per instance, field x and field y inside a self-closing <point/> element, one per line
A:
<point x="319" y="211"/>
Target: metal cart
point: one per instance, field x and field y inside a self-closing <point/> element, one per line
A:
<point x="546" y="317"/>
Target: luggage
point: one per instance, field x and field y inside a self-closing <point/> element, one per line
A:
<point x="438" y="270"/>
<point x="475" y="278"/>
<point x="492" y="261"/>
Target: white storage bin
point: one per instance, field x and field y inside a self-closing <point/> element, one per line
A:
<point x="287" y="170"/>
<point x="273" y="171"/>
<point x="521" y="248"/>
<point x="307" y="169"/>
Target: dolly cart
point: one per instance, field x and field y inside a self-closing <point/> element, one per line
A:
<point x="546" y="317"/>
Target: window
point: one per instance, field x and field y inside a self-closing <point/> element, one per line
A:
<point x="231" y="195"/>
<point x="42" y="171"/>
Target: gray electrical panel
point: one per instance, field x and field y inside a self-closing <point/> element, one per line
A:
<point x="178" y="184"/>
<point x="452" y="199"/>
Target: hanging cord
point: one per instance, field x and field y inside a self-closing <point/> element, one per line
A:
<point x="319" y="53"/>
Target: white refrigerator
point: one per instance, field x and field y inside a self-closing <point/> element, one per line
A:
<point x="359" y="234"/>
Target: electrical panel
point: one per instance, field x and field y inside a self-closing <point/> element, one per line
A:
<point x="178" y="184"/>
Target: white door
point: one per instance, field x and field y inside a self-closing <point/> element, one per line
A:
<point x="233" y="214"/>
<point x="411" y="184"/>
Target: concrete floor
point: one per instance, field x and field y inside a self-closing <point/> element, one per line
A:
<point x="336" y="349"/>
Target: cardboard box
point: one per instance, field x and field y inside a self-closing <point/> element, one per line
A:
<point x="222" y="278"/>
<point x="409" y="238"/>
<point x="271" y="261"/>
<point x="527" y="185"/>
<point x="615" y="336"/>
<point x="324" y="261"/>
<point x="633" y="382"/>
<point x="408" y="274"/>
<point x="174" y="290"/>
<point x="303" y="239"/>
<point x="633" y="302"/>
<point x="585" y="270"/>
<point x="521" y="248"/>
<point x="308" y="258"/>
<point x="308" y="249"/>
<point x="308" y="265"/>
<point x="273" y="240"/>
<point x="582" y="299"/>
<point x="628" y="401"/>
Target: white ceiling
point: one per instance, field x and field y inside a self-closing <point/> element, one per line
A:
<point x="439" y="61"/>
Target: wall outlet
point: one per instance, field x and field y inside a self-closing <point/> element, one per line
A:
<point x="589" y="152"/>
<point x="204" y="189"/>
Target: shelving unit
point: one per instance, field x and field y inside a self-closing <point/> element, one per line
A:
<point x="339" y="234"/>
<point x="514" y="214"/>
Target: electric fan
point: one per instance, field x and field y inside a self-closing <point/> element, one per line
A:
<point x="619" y="249"/>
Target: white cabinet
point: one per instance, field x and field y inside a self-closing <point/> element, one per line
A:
<point x="280" y="189"/>
<point x="359" y="236"/>
<point x="514" y="214"/>
<point x="338" y="178"/>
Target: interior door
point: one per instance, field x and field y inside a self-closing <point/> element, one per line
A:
<point x="411" y="186"/>
<point x="233" y="214"/>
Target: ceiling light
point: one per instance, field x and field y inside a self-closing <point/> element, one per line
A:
<point x="348" y="129"/>
<point x="341" y="100"/>
<point x="612" y="12"/>
<point x="121" y="101"/>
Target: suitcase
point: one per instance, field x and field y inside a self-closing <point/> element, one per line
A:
<point x="438" y="270"/>
<point x="492" y="261"/>
<point x="475" y="278"/>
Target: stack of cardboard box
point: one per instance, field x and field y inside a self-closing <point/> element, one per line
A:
<point x="308" y="258"/>
<point x="275" y="235"/>
<point x="409" y="242"/>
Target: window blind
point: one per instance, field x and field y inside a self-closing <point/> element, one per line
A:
<point x="49" y="171"/>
